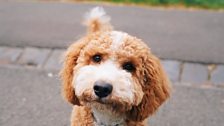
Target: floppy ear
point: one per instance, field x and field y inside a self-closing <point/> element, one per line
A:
<point x="70" y="61"/>
<point x="155" y="86"/>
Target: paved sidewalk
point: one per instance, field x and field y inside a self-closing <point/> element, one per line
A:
<point x="30" y="91"/>
<point x="172" y="34"/>
<point x="32" y="97"/>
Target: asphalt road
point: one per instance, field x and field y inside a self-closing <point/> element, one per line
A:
<point x="173" y="34"/>
<point x="32" y="97"/>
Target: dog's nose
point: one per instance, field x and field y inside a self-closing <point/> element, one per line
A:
<point x="102" y="89"/>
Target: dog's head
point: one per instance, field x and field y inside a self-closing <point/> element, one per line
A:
<point x="112" y="70"/>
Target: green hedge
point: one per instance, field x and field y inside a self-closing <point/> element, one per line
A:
<point x="210" y="4"/>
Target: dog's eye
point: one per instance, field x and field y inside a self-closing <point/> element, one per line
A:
<point x="97" y="58"/>
<point x="128" y="66"/>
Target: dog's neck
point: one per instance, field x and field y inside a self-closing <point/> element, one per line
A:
<point x="107" y="118"/>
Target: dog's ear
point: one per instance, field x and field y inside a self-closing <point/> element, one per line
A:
<point x="155" y="86"/>
<point x="66" y="74"/>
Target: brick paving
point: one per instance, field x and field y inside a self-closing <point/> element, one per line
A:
<point x="50" y="60"/>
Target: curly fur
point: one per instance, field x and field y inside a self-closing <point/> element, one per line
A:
<point x="135" y="96"/>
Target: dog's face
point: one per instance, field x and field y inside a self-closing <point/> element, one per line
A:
<point x="107" y="71"/>
<point x="115" y="71"/>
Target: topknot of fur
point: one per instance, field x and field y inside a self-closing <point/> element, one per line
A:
<point x="97" y="20"/>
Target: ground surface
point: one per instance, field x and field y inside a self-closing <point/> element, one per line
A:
<point x="33" y="36"/>
<point x="172" y="34"/>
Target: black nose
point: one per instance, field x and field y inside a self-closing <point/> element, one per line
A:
<point x="102" y="89"/>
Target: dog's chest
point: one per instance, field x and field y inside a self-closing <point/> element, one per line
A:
<point x="105" y="118"/>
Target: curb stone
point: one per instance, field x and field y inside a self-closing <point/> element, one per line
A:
<point x="172" y="69"/>
<point x="9" y="55"/>
<point x="34" y="56"/>
<point x="194" y="72"/>
<point x="54" y="61"/>
<point x="49" y="59"/>
<point x="217" y="76"/>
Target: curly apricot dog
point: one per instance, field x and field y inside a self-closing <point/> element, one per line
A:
<point x="111" y="77"/>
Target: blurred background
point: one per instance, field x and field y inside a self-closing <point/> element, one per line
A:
<point x="187" y="35"/>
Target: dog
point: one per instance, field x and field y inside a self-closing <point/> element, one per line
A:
<point x="110" y="77"/>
